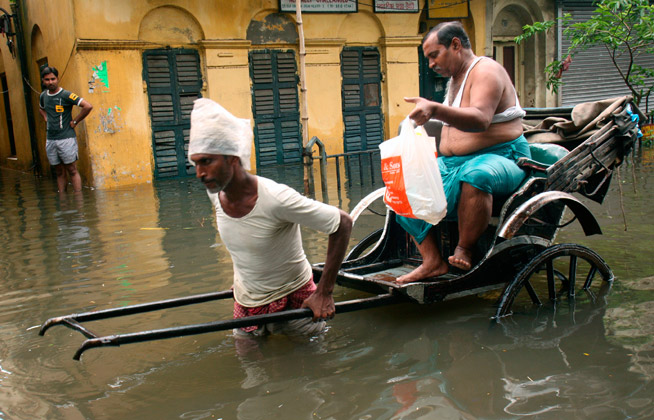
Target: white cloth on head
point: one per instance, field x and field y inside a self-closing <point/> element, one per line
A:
<point x="215" y="131"/>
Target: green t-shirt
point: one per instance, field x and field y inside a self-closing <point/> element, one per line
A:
<point x="59" y="108"/>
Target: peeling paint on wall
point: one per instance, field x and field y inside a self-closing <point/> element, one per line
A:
<point x="99" y="73"/>
<point x="110" y="120"/>
<point x="274" y="28"/>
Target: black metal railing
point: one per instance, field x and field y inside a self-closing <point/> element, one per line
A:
<point x="361" y="162"/>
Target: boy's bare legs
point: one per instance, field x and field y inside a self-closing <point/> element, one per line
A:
<point x="75" y="178"/>
<point x="62" y="180"/>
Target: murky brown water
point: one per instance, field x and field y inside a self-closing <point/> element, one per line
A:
<point x="107" y="249"/>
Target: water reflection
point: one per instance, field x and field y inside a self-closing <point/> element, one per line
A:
<point x="631" y="325"/>
<point x="66" y="254"/>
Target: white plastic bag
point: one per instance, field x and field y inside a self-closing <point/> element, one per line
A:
<point x="414" y="187"/>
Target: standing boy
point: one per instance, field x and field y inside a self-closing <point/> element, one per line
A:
<point x="56" y="105"/>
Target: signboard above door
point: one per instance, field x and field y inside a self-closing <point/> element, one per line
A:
<point x="320" y="6"/>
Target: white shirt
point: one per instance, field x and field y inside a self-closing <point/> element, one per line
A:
<point x="266" y="245"/>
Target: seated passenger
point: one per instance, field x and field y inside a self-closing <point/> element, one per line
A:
<point x="480" y="142"/>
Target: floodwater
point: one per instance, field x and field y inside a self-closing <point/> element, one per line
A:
<point x="104" y="249"/>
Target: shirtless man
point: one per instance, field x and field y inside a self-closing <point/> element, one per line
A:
<point x="480" y="142"/>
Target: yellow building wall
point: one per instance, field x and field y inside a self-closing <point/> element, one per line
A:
<point x="116" y="139"/>
<point x="121" y="149"/>
<point x="323" y="82"/>
<point x="11" y="67"/>
<point x="228" y="78"/>
<point x="475" y="25"/>
<point x="119" y="145"/>
<point x="402" y="68"/>
<point x="224" y="48"/>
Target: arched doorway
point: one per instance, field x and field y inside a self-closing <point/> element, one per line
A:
<point x="521" y="61"/>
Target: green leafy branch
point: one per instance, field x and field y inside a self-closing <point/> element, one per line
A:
<point x="624" y="28"/>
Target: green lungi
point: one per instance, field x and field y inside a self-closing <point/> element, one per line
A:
<point x="492" y="170"/>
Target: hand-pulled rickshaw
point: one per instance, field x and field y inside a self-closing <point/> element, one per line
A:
<point x="573" y="151"/>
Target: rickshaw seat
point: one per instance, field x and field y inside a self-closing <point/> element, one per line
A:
<point x="543" y="155"/>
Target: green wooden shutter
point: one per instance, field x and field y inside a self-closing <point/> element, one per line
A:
<point x="174" y="81"/>
<point x="275" y="105"/>
<point x="361" y="96"/>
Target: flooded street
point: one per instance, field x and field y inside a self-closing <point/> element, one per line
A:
<point x="104" y="249"/>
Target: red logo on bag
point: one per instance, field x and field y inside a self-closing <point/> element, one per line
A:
<point x="393" y="178"/>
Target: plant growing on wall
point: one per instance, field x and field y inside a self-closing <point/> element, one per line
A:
<point x="625" y="28"/>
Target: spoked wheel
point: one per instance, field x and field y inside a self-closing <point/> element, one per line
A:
<point x="555" y="275"/>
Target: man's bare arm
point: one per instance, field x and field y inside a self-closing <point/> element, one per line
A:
<point x="85" y="110"/>
<point x="485" y="94"/>
<point x="321" y="301"/>
<point x="43" y="114"/>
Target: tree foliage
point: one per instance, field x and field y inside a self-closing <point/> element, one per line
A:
<point x="625" y="28"/>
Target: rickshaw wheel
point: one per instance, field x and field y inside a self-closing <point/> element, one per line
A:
<point x="554" y="274"/>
